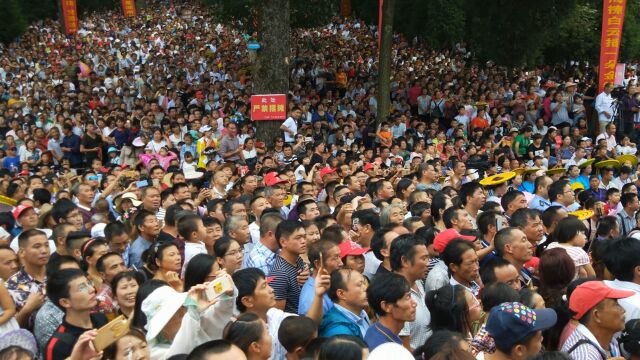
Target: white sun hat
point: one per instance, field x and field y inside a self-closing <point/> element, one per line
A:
<point x="159" y="307"/>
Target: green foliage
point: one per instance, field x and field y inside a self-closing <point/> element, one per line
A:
<point x="38" y="9"/>
<point x="304" y="13"/>
<point x="630" y="45"/>
<point x="579" y="32"/>
<point x="12" y="22"/>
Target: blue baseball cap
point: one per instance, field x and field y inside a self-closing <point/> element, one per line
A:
<point x="509" y="323"/>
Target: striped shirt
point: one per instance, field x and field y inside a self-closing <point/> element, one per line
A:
<point x="260" y="257"/>
<point x="285" y="282"/>
<point x="584" y="346"/>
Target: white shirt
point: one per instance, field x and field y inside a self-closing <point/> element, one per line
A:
<point x="254" y="230"/>
<point x="274" y="319"/>
<point x="293" y="126"/>
<point x="418" y="329"/>
<point x="611" y="140"/>
<point x="603" y="104"/>
<point x="191" y="250"/>
<point x="631" y="304"/>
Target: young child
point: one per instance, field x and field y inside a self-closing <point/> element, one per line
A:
<point x="385" y="135"/>
<point x="192" y="230"/>
<point x="114" y="159"/>
<point x="578" y="108"/>
<point x="188" y="165"/>
<point x="295" y="333"/>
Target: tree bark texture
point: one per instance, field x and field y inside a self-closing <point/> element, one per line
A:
<point x="272" y="62"/>
<point x="384" y="61"/>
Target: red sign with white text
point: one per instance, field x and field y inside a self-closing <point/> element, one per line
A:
<point x="128" y="8"/>
<point x="70" y="15"/>
<point x="612" y="21"/>
<point x="268" y="107"/>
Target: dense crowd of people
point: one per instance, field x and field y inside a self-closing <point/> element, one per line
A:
<point x="494" y="215"/>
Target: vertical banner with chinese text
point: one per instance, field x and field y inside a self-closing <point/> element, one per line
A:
<point x="612" y="20"/>
<point x="70" y="16"/>
<point x="128" y="8"/>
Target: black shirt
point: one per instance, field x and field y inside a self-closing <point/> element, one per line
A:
<point x="91" y="143"/>
<point x="61" y="343"/>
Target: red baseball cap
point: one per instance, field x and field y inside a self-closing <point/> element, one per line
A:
<point x="351" y="248"/>
<point x="444" y="237"/>
<point x="586" y="296"/>
<point x="272" y="178"/>
<point x="326" y="171"/>
<point x="18" y="210"/>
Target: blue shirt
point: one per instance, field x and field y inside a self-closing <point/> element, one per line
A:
<point x="539" y="203"/>
<point x="260" y="257"/>
<point x="73" y="142"/>
<point x="378" y="334"/>
<point x="340" y="321"/>
<point x="11" y="163"/>
<point x="308" y="293"/>
<point x="135" y="252"/>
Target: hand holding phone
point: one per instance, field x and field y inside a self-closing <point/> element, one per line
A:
<point x="111" y="332"/>
<point x="221" y="285"/>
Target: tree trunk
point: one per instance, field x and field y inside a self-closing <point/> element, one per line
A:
<point x="384" y="61"/>
<point x="272" y="62"/>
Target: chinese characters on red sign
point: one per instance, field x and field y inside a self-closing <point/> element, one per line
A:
<point x="268" y="107"/>
<point x="612" y="20"/>
<point x="128" y="8"/>
<point x="70" y="15"/>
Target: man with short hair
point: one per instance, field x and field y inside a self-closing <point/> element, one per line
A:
<point x="512" y="245"/>
<point x="463" y="269"/>
<point x="70" y="290"/>
<point x="118" y="239"/>
<point x="380" y="247"/>
<point x="489" y="222"/>
<point x="108" y="265"/>
<point x="600" y="316"/>
<point x="457" y="219"/>
<point x="560" y="194"/>
<point x="529" y="222"/>
<point x="289" y="271"/>
<point x="541" y="199"/>
<point x="323" y="254"/>
<point x="472" y="198"/>
<point x="365" y="223"/>
<point x="276" y="195"/>
<point x="59" y="236"/>
<point x="256" y="295"/>
<point x="148" y="229"/>
<point x="428" y="177"/>
<point x="517" y="330"/>
<point x="389" y="296"/>
<point x="237" y="228"/>
<point x="264" y="251"/>
<point x="85" y="196"/>
<point x="410" y="258"/>
<point x="627" y="216"/>
<point x="348" y="291"/>
<point x="308" y="209"/>
<point x="512" y="201"/>
<point x="500" y="270"/>
<point x="65" y="211"/>
<point x="622" y="259"/>
<point x="150" y="197"/>
<point x="27" y="286"/>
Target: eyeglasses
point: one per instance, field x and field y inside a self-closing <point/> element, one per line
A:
<point x="235" y="252"/>
<point x="76" y="215"/>
<point x="86" y="287"/>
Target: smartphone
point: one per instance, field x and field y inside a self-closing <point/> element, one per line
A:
<point x="218" y="287"/>
<point x="142" y="183"/>
<point x="308" y="139"/>
<point x="111" y="332"/>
